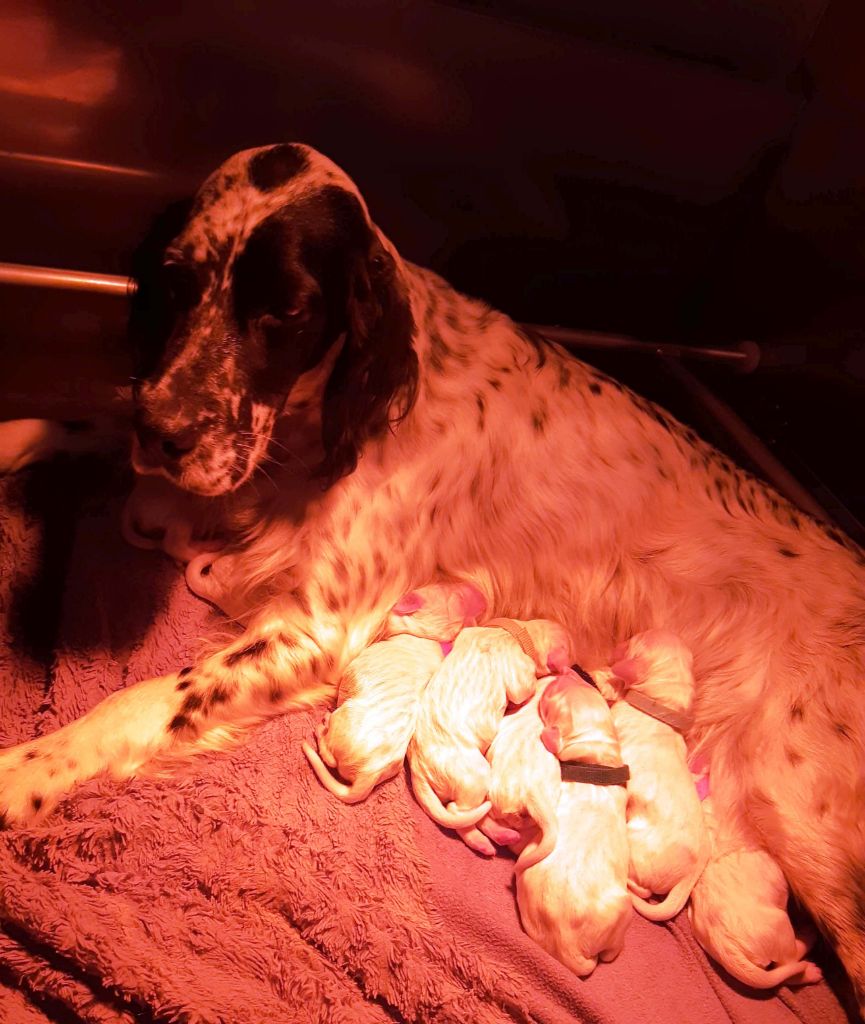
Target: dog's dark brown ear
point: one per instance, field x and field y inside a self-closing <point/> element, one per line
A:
<point x="374" y="379"/>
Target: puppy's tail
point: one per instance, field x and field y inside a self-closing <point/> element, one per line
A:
<point x="358" y="790"/>
<point x="673" y="903"/>
<point x="428" y="799"/>
<point x="543" y="844"/>
<point x="797" y="972"/>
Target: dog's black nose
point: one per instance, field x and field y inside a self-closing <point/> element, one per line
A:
<point x="164" y="447"/>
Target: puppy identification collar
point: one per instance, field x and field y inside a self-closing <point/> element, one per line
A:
<point x="596" y="774"/>
<point x="520" y="634"/>
<point x="655" y="709"/>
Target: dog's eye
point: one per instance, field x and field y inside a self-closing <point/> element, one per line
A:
<point x="278" y="330"/>
<point x="181" y="285"/>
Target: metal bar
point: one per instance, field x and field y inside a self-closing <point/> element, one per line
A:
<point x="741" y="434"/>
<point x="74" y="280"/>
<point x="743" y="357"/>
<point x="84" y="166"/>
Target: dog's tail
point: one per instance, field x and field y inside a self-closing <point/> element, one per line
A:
<point x="349" y="793"/>
<point x="430" y="801"/>
<point x="543" y="844"/>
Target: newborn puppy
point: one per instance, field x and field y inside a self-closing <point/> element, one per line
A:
<point x="575" y="901"/>
<point x="738" y="913"/>
<point x="366" y="737"/>
<point x="666" y="833"/>
<point x="525" y="781"/>
<point x="460" y="712"/>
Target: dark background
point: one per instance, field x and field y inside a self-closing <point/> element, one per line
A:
<point x="688" y="171"/>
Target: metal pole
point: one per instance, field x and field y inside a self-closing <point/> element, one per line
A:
<point x="744" y="357"/>
<point x="73" y="280"/>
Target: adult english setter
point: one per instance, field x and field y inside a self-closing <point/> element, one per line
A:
<point x="353" y="428"/>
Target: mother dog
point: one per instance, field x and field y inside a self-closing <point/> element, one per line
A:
<point x="357" y="429"/>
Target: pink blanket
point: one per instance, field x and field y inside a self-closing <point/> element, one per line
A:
<point x="238" y="890"/>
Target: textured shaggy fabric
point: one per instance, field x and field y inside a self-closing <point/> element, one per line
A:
<point x="239" y="891"/>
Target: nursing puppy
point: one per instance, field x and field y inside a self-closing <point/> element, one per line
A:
<point x="524" y="787"/>
<point x="365" y="739"/>
<point x="460" y="712"/>
<point x="738" y="913"/>
<point x="666" y="833"/>
<point x="575" y="902"/>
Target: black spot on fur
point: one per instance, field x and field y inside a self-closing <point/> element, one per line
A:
<point x="276" y="166"/>
<point x="184" y="684"/>
<point x="494" y="383"/>
<point x="192" y="702"/>
<point x="184" y="672"/>
<point x="177" y="723"/>
<point x="276" y="693"/>
<point x="36" y="801"/>
<point x="539" y="420"/>
<point x="797" y="711"/>
<point x="661" y="419"/>
<point x="843" y="730"/>
<point x="379" y="563"/>
<point x="482" y="409"/>
<point x="218" y="695"/>
<point x="787" y="553"/>
<point x="793" y="757"/>
<point x="302" y="600"/>
<point x="252" y="650"/>
<point x="30" y="755"/>
<point x="595" y="388"/>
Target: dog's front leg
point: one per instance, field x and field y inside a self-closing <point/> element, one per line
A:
<point x="285" y="661"/>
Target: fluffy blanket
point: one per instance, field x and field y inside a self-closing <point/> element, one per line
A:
<point x="238" y="891"/>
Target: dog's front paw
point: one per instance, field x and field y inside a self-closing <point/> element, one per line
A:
<point x="32" y="782"/>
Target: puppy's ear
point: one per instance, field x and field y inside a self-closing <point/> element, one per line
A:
<point x="552" y="739"/>
<point x="629" y="670"/>
<point x="408" y="604"/>
<point x="374" y="379"/>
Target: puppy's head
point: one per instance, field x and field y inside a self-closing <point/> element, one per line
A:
<point x="277" y="296"/>
<point x="577" y="722"/>
<point x="437" y="612"/>
<point x="658" y="664"/>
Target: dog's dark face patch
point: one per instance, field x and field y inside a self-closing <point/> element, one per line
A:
<point x="253" y="294"/>
<point x="276" y="166"/>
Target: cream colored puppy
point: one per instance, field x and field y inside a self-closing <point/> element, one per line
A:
<point x="666" y="833"/>
<point x="460" y="712"/>
<point x="365" y="739"/>
<point x="575" y="902"/>
<point x="738" y="913"/>
<point x="524" y="787"/>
